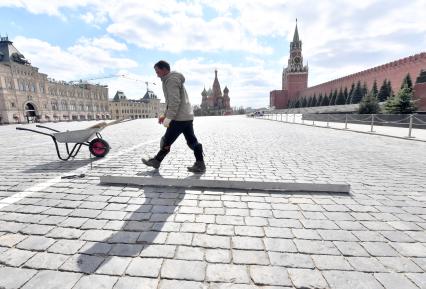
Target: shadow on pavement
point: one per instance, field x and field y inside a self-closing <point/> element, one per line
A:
<point x="142" y="229"/>
<point x="60" y="166"/>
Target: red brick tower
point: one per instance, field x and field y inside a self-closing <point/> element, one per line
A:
<point x="295" y="76"/>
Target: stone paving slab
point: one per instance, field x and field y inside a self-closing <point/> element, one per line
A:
<point x="218" y="184"/>
<point x="80" y="232"/>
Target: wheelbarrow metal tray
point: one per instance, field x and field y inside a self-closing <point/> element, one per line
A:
<point x="76" y="136"/>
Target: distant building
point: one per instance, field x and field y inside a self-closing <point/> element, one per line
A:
<point x="213" y="101"/>
<point x="27" y="95"/>
<point x="148" y="106"/>
<point x="295" y="79"/>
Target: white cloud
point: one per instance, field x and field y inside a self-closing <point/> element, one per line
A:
<point x="104" y="42"/>
<point x="180" y="27"/>
<point x="95" y="19"/>
<point x="78" y="61"/>
<point x="49" y="7"/>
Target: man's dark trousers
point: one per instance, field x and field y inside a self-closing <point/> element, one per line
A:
<point x="173" y="132"/>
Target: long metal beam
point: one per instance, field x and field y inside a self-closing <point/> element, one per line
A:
<point x="221" y="184"/>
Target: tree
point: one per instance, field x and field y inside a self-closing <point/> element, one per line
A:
<point x="357" y="93"/>
<point x="369" y="103"/>
<point x="345" y="94"/>
<point x="340" y="98"/>
<point x="314" y="100"/>
<point x="390" y="90"/>
<point x="402" y="103"/>
<point x="374" y="89"/>
<point x="297" y="104"/>
<point x="320" y="100"/>
<point x="384" y="92"/>
<point x="325" y="101"/>
<point x="407" y="82"/>
<point x="304" y="102"/>
<point x="309" y="104"/>
<point x="364" y="89"/>
<point x="333" y="98"/>
<point x="349" y="98"/>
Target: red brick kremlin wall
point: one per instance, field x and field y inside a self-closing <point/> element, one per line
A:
<point x="420" y="95"/>
<point x="394" y="71"/>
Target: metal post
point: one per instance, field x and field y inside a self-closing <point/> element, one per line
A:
<point x="281" y="117"/>
<point x="286" y="117"/>
<point x="410" y="126"/>
<point x="303" y="120"/>
<point x="346" y="121"/>
<point x="328" y="117"/>
<point x="294" y="117"/>
<point x="313" y="122"/>
<point x="372" y="123"/>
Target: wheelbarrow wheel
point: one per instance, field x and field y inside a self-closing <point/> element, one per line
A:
<point x="98" y="147"/>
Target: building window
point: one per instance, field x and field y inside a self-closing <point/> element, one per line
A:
<point x="12" y="104"/>
<point x="64" y="105"/>
<point x="54" y="105"/>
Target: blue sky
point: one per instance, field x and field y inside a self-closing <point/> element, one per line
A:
<point x="247" y="41"/>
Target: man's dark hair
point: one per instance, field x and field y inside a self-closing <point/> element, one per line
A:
<point x="162" y="64"/>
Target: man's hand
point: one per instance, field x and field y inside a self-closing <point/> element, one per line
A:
<point x="161" y="119"/>
<point x="166" y="122"/>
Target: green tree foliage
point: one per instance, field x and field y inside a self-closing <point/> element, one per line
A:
<point x="297" y="104"/>
<point x="304" y="102"/>
<point x="364" y="89"/>
<point x="374" y="89"/>
<point x="357" y="95"/>
<point x="402" y="103"/>
<point x="390" y="88"/>
<point x="325" y="101"/>
<point x="407" y="82"/>
<point x="333" y="98"/>
<point x="340" y="98"/>
<point x="320" y="99"/>
<point x="349" y="98"/>
<point x="314" y="101"/>
<point x="309" y="104"/>
<point x="345" y="94"/>
<point x="384" y="92"/>
<point x="369" y="103"/>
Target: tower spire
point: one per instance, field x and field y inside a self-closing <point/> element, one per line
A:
<point x="296" y="33"/>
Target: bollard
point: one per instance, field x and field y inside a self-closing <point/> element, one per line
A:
<point x="372" y="123"/>
<point x="281" y="117"/>
<point x="286" y="117"/>
<point x="294" y="117"/>
<point x="346" y="121"/>
<point x="328" y="116"/>
<point x="410" y="127"/>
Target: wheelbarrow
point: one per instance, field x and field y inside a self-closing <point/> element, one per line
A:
<point x="90" y="137"/>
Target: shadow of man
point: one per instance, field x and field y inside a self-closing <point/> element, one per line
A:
<point x="143" y="231"/>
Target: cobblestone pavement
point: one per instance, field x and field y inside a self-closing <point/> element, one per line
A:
<point x="75" y="233"/>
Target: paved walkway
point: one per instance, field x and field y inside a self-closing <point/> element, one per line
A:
<point x="75" y="233"/>
<point x="417" y="134"/>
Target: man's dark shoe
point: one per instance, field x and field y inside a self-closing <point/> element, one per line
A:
<point x="151" y="163"/>
<point x="198" y="167"/>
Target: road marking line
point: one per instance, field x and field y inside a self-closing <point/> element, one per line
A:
<point x="41" y="186"/>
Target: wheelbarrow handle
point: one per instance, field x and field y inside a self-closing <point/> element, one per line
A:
<point x="42" y="126"/>
<point x="36" y="131"/>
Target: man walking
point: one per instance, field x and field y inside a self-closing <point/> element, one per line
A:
<point x="178" y="118"/>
